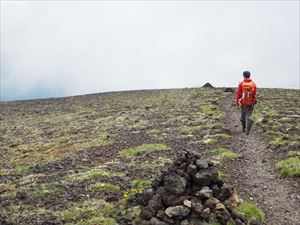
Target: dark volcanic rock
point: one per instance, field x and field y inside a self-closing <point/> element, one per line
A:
<point x="177" y="211"/>
<point x="175" y="184"/>
<point x="155" y="221"/>
<point x="189" y="192"/>
<point x="156" y="202"/>
<point x="229" y="90"/>
<point x="208" y="85"/>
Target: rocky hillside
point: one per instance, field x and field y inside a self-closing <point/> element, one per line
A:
<point x="81" y="160"/>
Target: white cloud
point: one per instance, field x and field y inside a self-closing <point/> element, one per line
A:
<point x="84" y="47"/>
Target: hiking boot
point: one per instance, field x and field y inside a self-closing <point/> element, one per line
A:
<point x="244" y="129"/>
<point x="248" y="132"/>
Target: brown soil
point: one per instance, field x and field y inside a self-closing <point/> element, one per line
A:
<point x="255" y="176"/>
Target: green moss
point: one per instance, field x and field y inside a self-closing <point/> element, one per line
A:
<point x="154" y="164"/>
<point x="140" y="183"/>
<point x="224" y="153"/>
<point x="224" y="176"/>
<point x="138" y="186"/>
<point x="194" y="129"/>
<point x="208" y="109"/>
<point x="8" y="195"/>
<point x="230" y="222"/>
<point x="96" y="221"/>
<point x="82" y="212"/>
<point x="97" y="142"/>
<point x="95" y="173"/>
<point x="21" y="168"/>
<point x="279" y="142"/>
<point x="273" y="134"/>
<point x="289" y="167"/>
<point x="143" y="149"/>
<point x="294" y="153"/>
<point x="107" y="187"/>
<point x="251" y="211"/>
<point x="141" y="124"/>
<point x="46" y="190"/>
<point x="209" y="141"/>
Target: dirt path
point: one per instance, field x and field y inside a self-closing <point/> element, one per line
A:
<point x="254" y="174"/>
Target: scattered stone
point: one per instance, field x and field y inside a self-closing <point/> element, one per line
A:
<point x="177" y="211"/>
<point x="204" y="193"/>
<point x="220" y="206"/>
<point x="175" y="184"/>
<point x="197" y="206"/>
<point x="160" y="214"/>
<point x="229" y="90"/>
<point x="211" y="203"/>
<point x="147" y="213"/>
<point x="187" y="203"/>
<point x="205" y="213"/>
<point x="201" y="163"/>
<point x="191" y="169"/>
<point x="226" y="192"/>
<point x="21" y="195"/>
<point x="190" y="192"/>
<point x="203" y="178"/>
<point x="156" y="202"/>
<point x="155" y="221"/>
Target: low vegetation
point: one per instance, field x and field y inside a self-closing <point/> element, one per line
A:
<point x="78" y="160"/>
<point x="278" y="115"/>
<point x="144" y="148"/>
<point x="251" y="211"/>
<point x="289" y="166"/>
<point x="224" y="153"/>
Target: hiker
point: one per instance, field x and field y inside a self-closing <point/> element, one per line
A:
<point x="245" y="100"/>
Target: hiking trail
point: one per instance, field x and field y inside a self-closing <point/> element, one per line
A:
<point x="254" y="175"/>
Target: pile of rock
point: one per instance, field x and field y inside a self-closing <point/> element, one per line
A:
<point x="208" y="85"/>
<point x="189" y="193"/>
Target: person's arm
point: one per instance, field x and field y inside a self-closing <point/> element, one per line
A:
<point x="238" y="93"/>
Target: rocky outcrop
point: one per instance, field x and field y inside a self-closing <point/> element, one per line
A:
<point x="208" y="85"/>
<point x="189" y="193"/>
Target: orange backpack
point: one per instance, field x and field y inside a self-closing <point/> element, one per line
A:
<point x="247" y="94"/>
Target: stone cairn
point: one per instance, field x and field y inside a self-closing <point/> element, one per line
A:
<point x="189" y="193"/>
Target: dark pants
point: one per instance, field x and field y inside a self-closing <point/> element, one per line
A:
<point x="246" y="117"/>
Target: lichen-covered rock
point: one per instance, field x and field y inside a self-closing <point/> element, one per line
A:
<point x="144" y="197"/>
<point x="211" y="203"/>
<point x="156" y="202"/>
<point x="175" y="184"/>
<point x="197" y="206"/>
<point x="191" y="169"/>
<point x="204" y="193"/>
<point x="191" y="193"/>
<point x="225" y="192"/>
<point x="155" y="221"/>
<point x="202" y="164"/>
<point x="205" y="213"/>
<point x="147" y="213"/>
<point x="205" y="177"/>
<point x="177" y="211"/>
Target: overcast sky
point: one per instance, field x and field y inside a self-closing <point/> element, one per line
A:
<point x="51" y="49"/>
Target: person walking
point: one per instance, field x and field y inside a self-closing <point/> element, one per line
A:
<point x="245" y="100"/>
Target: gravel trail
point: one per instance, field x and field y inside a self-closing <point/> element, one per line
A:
<point x="254" y="174"/>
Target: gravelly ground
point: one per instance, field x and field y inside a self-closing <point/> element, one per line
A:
<point x="255" y="176"/>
